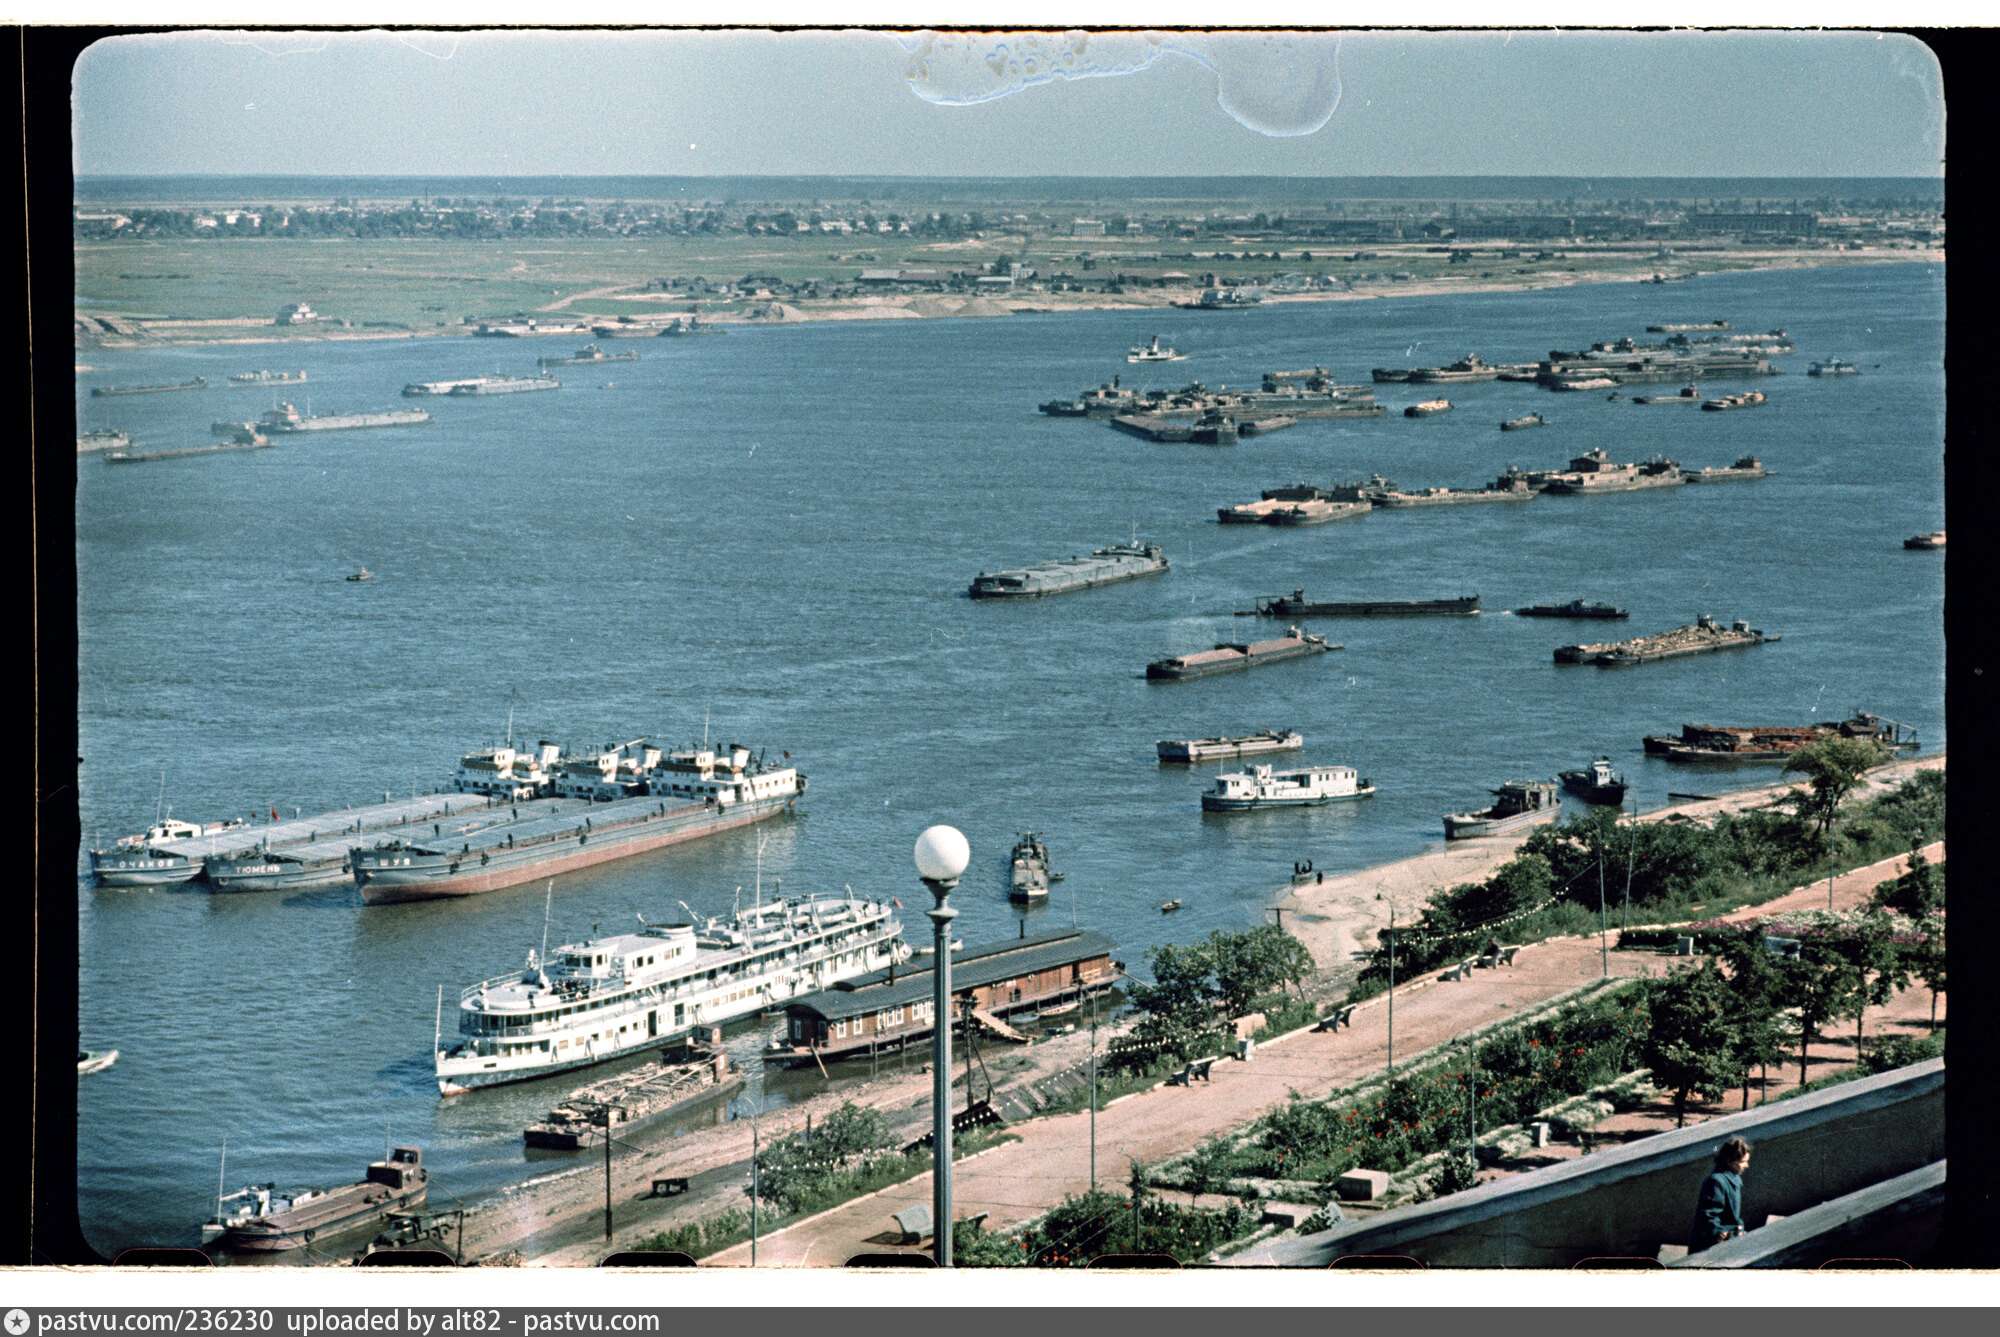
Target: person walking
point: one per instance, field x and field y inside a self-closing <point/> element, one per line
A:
<point x="1718" y="1211"/>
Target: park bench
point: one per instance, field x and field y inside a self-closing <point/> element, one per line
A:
<point x="912" y="1223"/>
<point x="1337" y="1018"/>
<point x="1191" y="1070"/>
<point x="1462" y="969"/>
<point x="1507" y="955"/>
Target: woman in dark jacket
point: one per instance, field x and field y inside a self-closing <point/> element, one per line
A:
<point x="1718" y="1211"/>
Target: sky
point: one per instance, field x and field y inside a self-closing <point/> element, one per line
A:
<point x="858" y="102"/>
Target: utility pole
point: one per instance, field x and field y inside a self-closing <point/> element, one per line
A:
<point x="1471" y="1096"/>
<point x="1392" y="989"/>
<point x="1631" y="853"/>
<point x="1093" y="1094"/>
<point x="1603" y="920"/>
<point x="753" y="1185"/>
<point x="607" y="1173"/>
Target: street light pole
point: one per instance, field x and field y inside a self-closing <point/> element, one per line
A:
<point x="941" y="856"/>
<point x="1392" y="988"/>
<point x="1603" y="920"/>
<point x="1093" y="1095"/>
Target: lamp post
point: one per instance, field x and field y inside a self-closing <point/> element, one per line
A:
<point x="941" y="856"/>
<point x="1392" y="984"/>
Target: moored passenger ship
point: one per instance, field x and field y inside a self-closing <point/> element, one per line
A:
<point x="595" y="1000"/>
<point x="688" y="794"/>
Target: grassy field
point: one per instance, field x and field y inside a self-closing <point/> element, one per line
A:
<point x="435" y="286"/>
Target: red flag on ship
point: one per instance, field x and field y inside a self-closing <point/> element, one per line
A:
<point x="274" y="813"/>
<point x="898" y="904"/>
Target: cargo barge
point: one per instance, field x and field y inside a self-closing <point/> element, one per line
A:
<point x="176" y="851"/>
<point x="285" y="418"/>
<point x="103" y="438"/>
<point x="246" y="379"/>
<point x="1104" y="566"/>
<point x="1594" y="472"/>
<point x="505" y="385"/>
<point x="273" y="1224"/>
<point x="1297" y="605"/>
<point x="689" y="327"/>
<point x="588" y="355"/>
<point x="1221" y="748"/>
<point x="593" y="1001"/>
<point x="108" y="391"/>
<point x="1522" y="424"/>
<point x="1271" y="499"/>
<point x="1467" y="368"/>
<point x="1102" y="402"/>
<point x="1688" y="394"/>
<point x="731" y="792"/>
<point x="1516" y="804"/>
<point x="1506" y="489"/>
<point x="624" y="1104"/>
<point x="1429" y="408"/>
<point x="1749" y="466"/>
<point x="183" y="452"/>
<point x="420" y="389"/>
<point x="1574" y="608"/>
<point x="1705" y="636"/>
<point x="1230" y="656"/>
<point x="1709" y="742"/>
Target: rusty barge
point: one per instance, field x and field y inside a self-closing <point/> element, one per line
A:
<point x="1704" y="636"/>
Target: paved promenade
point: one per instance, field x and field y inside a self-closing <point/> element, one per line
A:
<point x="1018" y="1181"/>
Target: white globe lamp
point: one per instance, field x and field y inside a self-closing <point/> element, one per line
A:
<point x="942" y="854"/>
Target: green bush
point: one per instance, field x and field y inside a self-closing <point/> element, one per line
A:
<point x="1098" y="1223"/>
<point x="1520" y="1070"/>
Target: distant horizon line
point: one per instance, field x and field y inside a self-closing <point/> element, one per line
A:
<point x="1044" y="176"/>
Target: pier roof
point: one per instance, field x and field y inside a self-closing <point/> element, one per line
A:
<point x="974" y="968"/>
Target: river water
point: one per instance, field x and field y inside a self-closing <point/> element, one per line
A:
<point x="767" y="537"/>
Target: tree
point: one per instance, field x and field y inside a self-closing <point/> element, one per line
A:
<point x="1926" y="958"/>
<point x="1254" y="962"/>
<point x="1917" y="892"/>
<point x="1874" y="948"/>
<point x="1691" y="1046"/>
<point x="1833" y="768"/>
<point x="1818" y="984"/>
<point x="1754" y="1007"/>
<point x="1180" y="1003"/>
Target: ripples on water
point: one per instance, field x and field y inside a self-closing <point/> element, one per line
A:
<point x="608" y="562"/>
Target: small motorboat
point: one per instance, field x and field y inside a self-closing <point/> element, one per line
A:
<point x="1153" y="352"/>
<point x="96" y="1060"/>
<point x="1925" y="540"/>
<point x="363" y="574"/>
<point x="1596" y="783"/>
<point x="1168" y="907"/>
<point x="1531" y="420"/>
<point x="1302" y="871"/>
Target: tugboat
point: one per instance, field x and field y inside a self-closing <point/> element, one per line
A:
<point x="1152" y="352"/>
<point x="1517" y="803"/>
<point x="1028" y="869"/>
<point x="1596" y="783"/>
<point x="1262" y="787"/>
<point x="1833" y="366"/>
<point x="1521" y="424"/>
<point x="363" y="574"/>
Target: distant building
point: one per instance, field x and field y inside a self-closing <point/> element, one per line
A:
<point x="1087" y="227"/>
<point x="296" y="313"/>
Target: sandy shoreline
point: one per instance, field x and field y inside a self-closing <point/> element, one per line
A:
<point x="934" y="306"/>
<point x="1341" y="916"/>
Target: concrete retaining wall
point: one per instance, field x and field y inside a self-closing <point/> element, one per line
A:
<point x="1632" y="1199"/>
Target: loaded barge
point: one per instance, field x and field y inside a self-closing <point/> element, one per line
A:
<point x="250" y="378"/>
<point x="1709" y="742"/>
<point x="586" y="356"/>
<point x="1593" y="472"/>
<point x="1749" y="466"/>
<point x="1228" y="656"/>
<point x="1516" y="804"/>
<point x="286" y="418"/>
<point x="1299" y="504"/>
<point x="1704" y="636"/>
<point x="1212" y="749"/>
<point x="631" y="1101"/>
<point x="505" y="385"/>
<point x="593" y="1001"/>
<point x="1104" y="566"/>
<point x="1297" y="605"/>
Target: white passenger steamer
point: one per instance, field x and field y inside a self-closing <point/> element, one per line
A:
<point x="593" y="1001"/>
<point x="1262" y="787"/>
